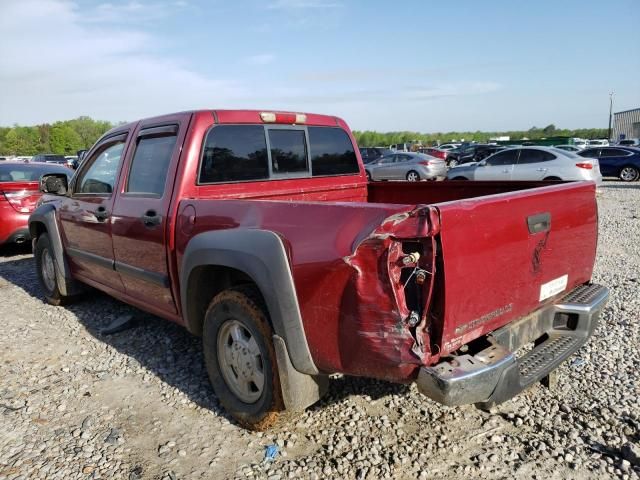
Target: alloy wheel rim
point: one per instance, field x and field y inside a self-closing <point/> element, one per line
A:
<point x="241" y="361"/>
<point x="628" y="174"/>
<point x="48" y="270"/>
<point x="412" y="177"/>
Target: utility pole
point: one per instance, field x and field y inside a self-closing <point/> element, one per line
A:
<point x="610" y="114"/>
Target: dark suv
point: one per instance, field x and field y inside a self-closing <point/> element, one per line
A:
<point x="471" y="153"/>
<point x="49" y="158"/>
<point x="369" y="154"/>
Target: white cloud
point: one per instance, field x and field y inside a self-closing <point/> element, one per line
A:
<point x="54" y="65"/>
<point x="262" y="59"/>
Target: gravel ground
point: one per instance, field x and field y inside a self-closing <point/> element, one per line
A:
<point x="78" y="404"/>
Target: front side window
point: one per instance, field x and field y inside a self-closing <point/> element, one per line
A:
<point x="100" y="176"/>
<point x="288" y="151"/>
<point x="332" y="152"/>
<point x="235" y="153"/>
<point x="508" y="157"/>
<point x="150" y="163"/>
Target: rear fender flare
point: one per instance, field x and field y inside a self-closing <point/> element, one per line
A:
<point x="261" y="255"/>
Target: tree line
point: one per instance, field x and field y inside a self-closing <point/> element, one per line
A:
<point x="370" y="138"/>
<point x="69" y="136"/>
<point x="63" y="138"/>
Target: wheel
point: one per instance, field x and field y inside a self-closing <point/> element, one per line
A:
<point x="48" y="271"/>
<point x="552" y="178"/>
<point x="453" y="162"/>
<point x="240" y="358"/>
<point x="368" y="176"/>
<point x="629" y="174"/>
<point x="459" y="178"/>
<point x="413" y="176"/>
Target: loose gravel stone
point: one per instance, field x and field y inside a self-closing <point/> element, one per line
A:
<point x="75" y="403"/>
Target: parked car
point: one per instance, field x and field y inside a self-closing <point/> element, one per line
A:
<point x="529" y="163"/>
<point x="579" y="142"/>
<point x="49" y="158"/>
<point x="400" y="147"/>
<point x="72" y="162"/>
<point x="435" y="152"/>
<point x="292" y="267"/>
<point x="411" y="167"/>
<point x="630" y="142"/>
<point x="568" y="148"/>
<point x="3" y="159"/>
<point x="621" y="162"/>
<point x="449" y="146"/>
<point x="369" y="154"/>
<point x="19" y="192"/>
<point x="471" y="153"/>
<point x="597" y="143"/>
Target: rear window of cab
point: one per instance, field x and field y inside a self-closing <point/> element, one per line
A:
<point x="237" y="153"/>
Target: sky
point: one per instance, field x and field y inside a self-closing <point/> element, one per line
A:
<point x="426" y="66"/>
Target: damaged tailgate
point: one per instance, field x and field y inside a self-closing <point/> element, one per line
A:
<point x="506" y="255"/>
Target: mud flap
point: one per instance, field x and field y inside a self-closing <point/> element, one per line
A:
<point x="299" y="390"/>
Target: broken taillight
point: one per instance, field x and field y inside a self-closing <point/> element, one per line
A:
<point x="23" y="201"/>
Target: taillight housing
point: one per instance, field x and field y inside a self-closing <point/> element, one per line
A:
<point x="22" y="201"/>
<point x="585" y="165"/>
<point x="427" y="162"/>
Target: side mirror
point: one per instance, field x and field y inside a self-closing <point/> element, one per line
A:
<point x="482" y="163"/>
<point x="54" y="184"/>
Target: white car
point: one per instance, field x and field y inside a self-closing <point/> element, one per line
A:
<point x="580" y="143"/>
<point x="598" y="143"/>
<point x="530" y="163"/>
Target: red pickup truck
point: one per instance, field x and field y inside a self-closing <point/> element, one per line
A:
<point x="259" y="232"/>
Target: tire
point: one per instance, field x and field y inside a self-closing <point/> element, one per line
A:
<point x="453" y="162"/>
<point x="48" y="271"/>
<point x="552" y="178"/>
<point x="241" y="360"/>
<point x="413" y="176"/>
<point x="368" y="176"/>
<point x="460" y="178"/>
<point x="629" y="174"/>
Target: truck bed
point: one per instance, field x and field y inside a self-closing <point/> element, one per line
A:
<point x="487" y="268"/>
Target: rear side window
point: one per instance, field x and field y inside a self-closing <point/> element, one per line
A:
<point x="534" y="156"/>
<point x="332" y="152"/>
<point x="593" y="153"/>
<point x="288" y="151"/>
<point x="150" y="163"/>
<point x="235" y="153"/>
<point x="613" y="152"/>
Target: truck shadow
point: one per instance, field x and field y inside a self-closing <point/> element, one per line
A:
<point x="162" y="348"/>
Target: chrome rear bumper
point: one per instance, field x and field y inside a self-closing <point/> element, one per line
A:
<point x="495" y="374"/>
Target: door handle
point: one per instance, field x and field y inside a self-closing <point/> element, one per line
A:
<point x="151" y="219"/>
<point x="505" y="171"/>
<point x="101" y="214"/>
<point x="542" y="169"/>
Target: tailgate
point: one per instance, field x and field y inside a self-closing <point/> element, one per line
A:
<point x="506" y="255"/>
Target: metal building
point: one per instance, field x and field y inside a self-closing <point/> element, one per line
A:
<point x="626" y="123"/>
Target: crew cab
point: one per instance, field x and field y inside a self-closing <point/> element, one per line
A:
<point x="259" y="232"/>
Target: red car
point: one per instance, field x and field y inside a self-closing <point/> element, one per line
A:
<point x="259" y="232"/>
<point x="19" y="192"/>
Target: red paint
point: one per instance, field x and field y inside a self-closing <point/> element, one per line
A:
<point x="346" y="241"/>
<point x="17" y="201"/>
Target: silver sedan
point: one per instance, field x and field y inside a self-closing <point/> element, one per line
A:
<point x="411" y="167"/>
<point x="530" y="163"/>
